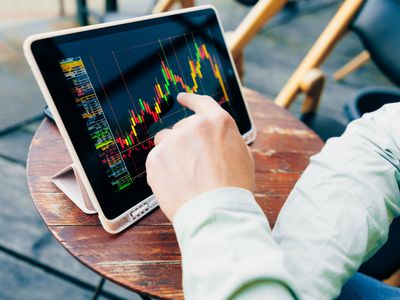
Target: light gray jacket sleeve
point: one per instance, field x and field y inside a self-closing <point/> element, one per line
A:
<point x="339" y="212"/>
<point x="227" y="249"/>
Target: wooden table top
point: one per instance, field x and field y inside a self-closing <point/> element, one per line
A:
<point x="145" y="258"/>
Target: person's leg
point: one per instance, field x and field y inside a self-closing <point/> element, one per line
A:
<point x="361" y="287"/>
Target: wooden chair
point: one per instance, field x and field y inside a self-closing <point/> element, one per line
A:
<point x="364" y="17"/>
<point x="308" y="78"/>
<point x="354" y="64"/>
<point x="377" y="24"/>
<point x="381" y="40"/>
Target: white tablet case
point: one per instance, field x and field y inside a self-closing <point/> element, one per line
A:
<point x="69" y="182"/>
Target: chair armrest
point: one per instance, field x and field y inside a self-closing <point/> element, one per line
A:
<point x="312" y="86"/>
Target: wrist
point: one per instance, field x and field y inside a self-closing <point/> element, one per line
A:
<point x="211" y="203"/>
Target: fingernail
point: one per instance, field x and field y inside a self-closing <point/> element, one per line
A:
<point x="180" y="95"/>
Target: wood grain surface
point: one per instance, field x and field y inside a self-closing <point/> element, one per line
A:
<point x="145" y="258"/>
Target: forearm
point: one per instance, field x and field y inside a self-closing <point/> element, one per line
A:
<point x="227" y="249"/>
<point x="339" y="212"/>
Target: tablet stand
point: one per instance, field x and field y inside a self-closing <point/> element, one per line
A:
<point x="69" y="182"/>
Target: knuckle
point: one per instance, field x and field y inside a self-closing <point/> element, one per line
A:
<point x="204" y="125"/>
<point x="225" y="119"/>
<point x="200" y="122"/>
<point x="206" y="97"/>
<point x="151" y="159"/>
<point x="158" y="134"/>
<point x="149" y="179"/>
<point x="209" y="98"/>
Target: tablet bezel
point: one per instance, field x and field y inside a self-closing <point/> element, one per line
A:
<point x="146" y="205"/>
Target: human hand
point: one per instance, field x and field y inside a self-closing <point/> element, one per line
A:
<point x="201" y="152"/>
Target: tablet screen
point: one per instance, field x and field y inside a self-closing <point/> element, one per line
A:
<point x="116" y="87"/>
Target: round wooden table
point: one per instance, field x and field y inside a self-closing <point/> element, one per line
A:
<point x="145" y="258"/>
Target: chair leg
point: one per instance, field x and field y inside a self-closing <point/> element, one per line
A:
<point x="111" y="5"/>
<point x="82" y="12"/>
<point x="99" y="288"/>
<point x="61" y="8"/>
<point x="163" y="6"/>
<point x="144" y="297"/>
<point x="354" y="64"/>
<point x="320" y="50"/>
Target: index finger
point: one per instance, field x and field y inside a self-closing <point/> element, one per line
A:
<point x="197" y="103"/>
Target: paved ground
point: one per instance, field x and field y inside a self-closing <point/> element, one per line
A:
<point x="33" y="265"/>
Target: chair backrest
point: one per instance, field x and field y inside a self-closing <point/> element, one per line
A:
<point x="378" y="26"/>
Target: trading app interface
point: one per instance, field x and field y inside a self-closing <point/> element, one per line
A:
<point x="123" y="87"/>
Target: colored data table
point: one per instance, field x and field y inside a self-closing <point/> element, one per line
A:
<point x="145" y="258"/>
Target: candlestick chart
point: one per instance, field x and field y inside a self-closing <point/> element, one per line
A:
<point x="131" y="96"/>
<point x="170" y="80"/>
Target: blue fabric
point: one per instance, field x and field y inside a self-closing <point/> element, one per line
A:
<point x="362" y="287"/>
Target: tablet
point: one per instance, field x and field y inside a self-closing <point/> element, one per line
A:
<point x="112" y="87"/>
